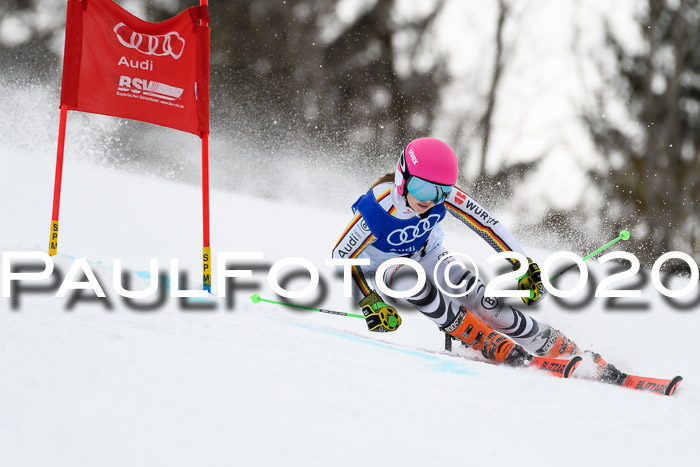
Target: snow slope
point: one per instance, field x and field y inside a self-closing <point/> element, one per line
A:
<point x="264" y="385"/>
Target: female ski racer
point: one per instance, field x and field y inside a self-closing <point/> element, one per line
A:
<point x="400" y="216"/>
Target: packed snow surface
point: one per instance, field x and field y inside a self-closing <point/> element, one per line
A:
<point x="98" y="383"/>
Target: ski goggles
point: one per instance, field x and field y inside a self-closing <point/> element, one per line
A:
<point x="424" y="190"/>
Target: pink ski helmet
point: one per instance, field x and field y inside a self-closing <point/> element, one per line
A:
<point x="427" y="169"/>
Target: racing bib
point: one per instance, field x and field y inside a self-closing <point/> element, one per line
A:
<point x="400" y="236"/>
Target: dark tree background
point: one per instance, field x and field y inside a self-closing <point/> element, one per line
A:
<point x="650" y="177"/>
<point x="32" y="58"/>
<point x="296" y="63"/>
<point x="295" y="70"/>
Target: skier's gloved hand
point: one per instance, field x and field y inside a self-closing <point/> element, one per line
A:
<point x="532" y="281"/>
<point x="379" y="316"/>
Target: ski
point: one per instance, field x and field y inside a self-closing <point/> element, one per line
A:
<point x="556" y="367"/>
<point x="664" y="387"/>
<point x="661" y="386"/>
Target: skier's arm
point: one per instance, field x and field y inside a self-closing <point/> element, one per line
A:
<point x="474" y="216"/>
<point x="464" y="208"/>
<point x="354" y="239"/>
<point x="379" y="316"/>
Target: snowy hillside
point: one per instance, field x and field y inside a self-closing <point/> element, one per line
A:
<point x="263" y="385"/>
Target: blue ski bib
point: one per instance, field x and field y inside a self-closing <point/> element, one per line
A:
<point x="400" y="236"/>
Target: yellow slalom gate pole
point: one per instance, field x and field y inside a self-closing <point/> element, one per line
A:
<point x="206" y="268"/>
<point x="53" y="239"/>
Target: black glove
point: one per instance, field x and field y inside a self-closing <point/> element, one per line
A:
<point x="532" y="281"/>
<point x="380" y="317"/>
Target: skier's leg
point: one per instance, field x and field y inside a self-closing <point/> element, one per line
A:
<point x="510" y="341"/>
<point x="456" y="320"/>
<point x="429" y="301"/>
<point x="536" y="337"/>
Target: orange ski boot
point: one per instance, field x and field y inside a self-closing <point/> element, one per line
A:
<point x="604" y="371"/>
<point x="557" y="345"/>
<point x="474" y="333"/>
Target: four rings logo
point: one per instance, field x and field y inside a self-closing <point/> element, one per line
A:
<point x="160" y="46"/>
<point x="412" y="232"/>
